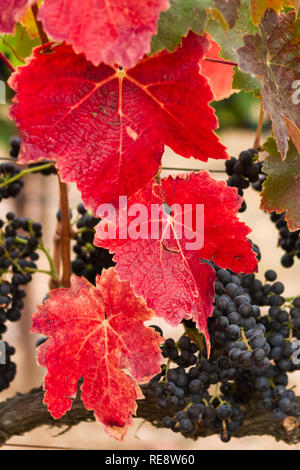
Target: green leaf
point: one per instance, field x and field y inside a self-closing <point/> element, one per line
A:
<point x="231" y="39"/>
<point x="182" y="16"/>
<point x="246" y="82"/>
<point x="281" y="190"/>
<point x="18" y="46"/>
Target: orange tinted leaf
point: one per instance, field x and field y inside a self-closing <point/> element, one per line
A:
<point x="220" y="76"/>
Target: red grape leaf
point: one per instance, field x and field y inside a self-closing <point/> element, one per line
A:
<point x="281" y="190"/>
<point x="107" y="127"/>
<point x="258" y="7"/>
<point x="97" y="333"/>
<point x="164" y="269"/>
<point x="220" y="76"/>
<point x="11" y="12"/>
<point x="114" y="32"/>
<point x="275" y="56"/>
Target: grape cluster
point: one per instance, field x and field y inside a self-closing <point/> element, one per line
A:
<point x="19" y="241"/>
<point x="234" y="326"/>
<point x="251" y="356"/>
<point x="185" y="355"/>
<point x="244" y="171"/>
<point x="8" y="171"/>
<point x="288" y="241"/>
<point x="185" y="391"/>
<point x="90" y="259"/>
<point x="15" y="145"/>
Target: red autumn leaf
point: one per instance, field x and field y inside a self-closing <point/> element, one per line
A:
<point x="12" y="11"/>
<point x="110" y="31"/>
<point x="107" y="127"/>
<point x="220" y="76"/>
<point x="97" y="333"/>
<point x="162" y="267"/>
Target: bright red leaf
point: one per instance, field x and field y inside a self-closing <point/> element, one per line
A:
<point x="97" y="333"/>
<point x="110" y="31"/>
<point x="220" y="76"/>
<point x="107" y="127"/>
<point x="12" y="11"/>
<point x="163" y="268"/>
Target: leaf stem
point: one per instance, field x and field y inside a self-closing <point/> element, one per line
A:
<point x="245" y="340"/>
<point x="32" y="270"/>
<point x="7" y="62"/>
<point x="156" y="177"/>
<point x="53" y="272"/>
<point x="256" y="143"/>
<point x="25" y="172"/>
<point x="290" y="299"/>
<point x="65" y="234"/>
<point x="220" y="61"/>
<point x="39" y="25"/>
<point x="56" y="255"/>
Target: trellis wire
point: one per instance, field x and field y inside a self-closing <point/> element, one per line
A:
<point x="168" y="168"/>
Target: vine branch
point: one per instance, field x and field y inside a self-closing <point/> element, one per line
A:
<point x="39" y="24"/>
<point x="65" y="234"/>
<point x="26" y="412"/>
<point x="54" y="283"/>
<point x="256" y="143"/>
